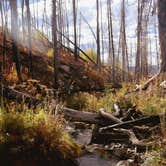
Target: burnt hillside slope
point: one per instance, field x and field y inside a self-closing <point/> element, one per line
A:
<point x="74" y="75"/>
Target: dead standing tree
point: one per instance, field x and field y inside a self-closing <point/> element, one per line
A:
<point x="55" y="43"/>
<point x="102" y="31"/>
<point x="14" y="33"/>
<point x="162" y="39"/>
<point x="1" y="58"/>
<point x="144" y="39"/>
<point x="98" y="34"/>
<point x="111" y="38"/>
<point x="123" y="44"/>
<point x="162" y="32"/>
<point x="29" y="37"/>
<point x="75" y="29"/>
<point x="60" y="21"/>
<point x="139" y="30"/>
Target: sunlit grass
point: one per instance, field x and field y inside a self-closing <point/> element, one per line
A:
<point x="50" y="53"/>
<point x="149" y="102"/>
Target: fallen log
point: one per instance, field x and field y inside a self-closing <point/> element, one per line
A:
<point x="101" y="118"/>
<point x="18" y="96"/>
<point x="145" y="132"/>
<point x="132" y="137"/>
<point x="109" y="116"/>
<point x="153" y="120"/>
<point x="107" y="138"/>
<point x="92" y="118"/>
<point x="117" y="135"/>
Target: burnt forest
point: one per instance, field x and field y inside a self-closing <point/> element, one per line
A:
<point x="82" y="82"/>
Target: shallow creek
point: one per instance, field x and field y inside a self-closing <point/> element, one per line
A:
<point x="93" y="155"/>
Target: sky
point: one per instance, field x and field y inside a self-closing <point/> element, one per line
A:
<point x="87" y="8"/>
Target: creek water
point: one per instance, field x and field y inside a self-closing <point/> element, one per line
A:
<point x="95" y="160"/>
<point x="92" y="158"/>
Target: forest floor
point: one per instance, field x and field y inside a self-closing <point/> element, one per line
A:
<point x="142" y="143"/>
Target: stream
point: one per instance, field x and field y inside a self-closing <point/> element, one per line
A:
<point x="95" y="160"/>
<point x="93" y="155"/>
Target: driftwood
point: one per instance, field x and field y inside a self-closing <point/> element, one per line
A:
<point x="153" y="120"/>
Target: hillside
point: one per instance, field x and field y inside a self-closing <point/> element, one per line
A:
<point x="74" y="75"/>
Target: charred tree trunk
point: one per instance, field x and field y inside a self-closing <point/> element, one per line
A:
<point x="139" y="30"/>
<point x="156" y="42"/>
<point x="137" y="66"/>
<point x="75" y="29"/>
<point x="4" y="6"/>
<point x="123" y="44"/>
<point x="14" y="33"/>
<point x="60" y="22"/>
<point x="23" y="20"/>
<point x="55" y="43"/>
<point x="98" y="35"/>
<point x="29" y="38"/>
<point x="111" y="38"/>
<point x="102" y="32"/>
<point x="112" y="45"/>
<point x="162" y="32"/>
<point x="1" y="58"/>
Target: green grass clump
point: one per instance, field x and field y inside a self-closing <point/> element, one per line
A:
<point x="92" y="102"/>
<point x="38" y="137"/>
